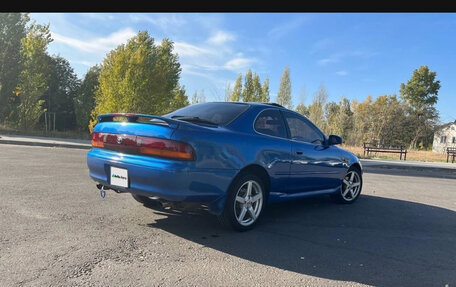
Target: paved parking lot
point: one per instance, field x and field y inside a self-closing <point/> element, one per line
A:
<point x="56" y="231"/>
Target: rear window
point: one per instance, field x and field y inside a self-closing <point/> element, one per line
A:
<point x="218" y="113"/>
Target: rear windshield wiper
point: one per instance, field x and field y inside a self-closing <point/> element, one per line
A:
<point x="194" y="120"/>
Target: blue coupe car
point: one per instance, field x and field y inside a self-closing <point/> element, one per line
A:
<point x="232" y="158"/>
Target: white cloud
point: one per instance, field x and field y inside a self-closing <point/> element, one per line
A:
<point x="329" y="60"/>
<point x="163" y="21"/>
<point x="209" y="56"/>
<point x="321" y="45"/>
<point x="96" y="45"/>
<point x="342" y="73"/>
<point x="86" y="63"/>
<point x="216" y="81"/>
<point x="186" y="49"/>
<point x="337" y="57"/>
<point x="363" y="53"/>
<point x="221" y="37"/>
<point x="98" y="16"/>
<point x="286" y="27"/>
<point x="196" y="71"/>
<point x="203" y="58"/>
<point x="237" y="64"/>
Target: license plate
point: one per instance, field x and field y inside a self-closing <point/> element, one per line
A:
<point x="119" y="177"/>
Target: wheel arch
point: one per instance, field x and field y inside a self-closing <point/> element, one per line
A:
<point x="257" y="170"/>
<point x="357" y="166"/>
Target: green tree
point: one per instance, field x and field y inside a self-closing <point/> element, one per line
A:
<point x="284" y="94"/>
<point x="33" y="79"/>
<point x="302" y="109"/>
<point x="265" y="98"/>
<point x="12" y="30"/>
<point x="421" y="93"/>
<point x="236" y="95"/>
<point x="332" y="110"/>
<point x="180" y="99"/>
<point x="316" y="109"/>
<point x="60" y="97"/>
<point x="344" y="120"/>
<point x="256" y="89"/>
<point x="85" y="97"/>
<point x="363" y="120"/>
<point x="139" y="77"/>
<point x="247" y="92"/>
<point x="390" y="123"/>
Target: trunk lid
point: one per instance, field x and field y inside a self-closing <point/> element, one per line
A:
<point x="137" y="125"/>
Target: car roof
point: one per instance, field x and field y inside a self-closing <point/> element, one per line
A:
<point x="255" y="104"/>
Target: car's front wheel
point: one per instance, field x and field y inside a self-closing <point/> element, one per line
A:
<point x="351" y="186"/>
<point x="244" y="203"/>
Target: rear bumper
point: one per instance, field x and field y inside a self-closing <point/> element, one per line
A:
<point x="170" y="180"/>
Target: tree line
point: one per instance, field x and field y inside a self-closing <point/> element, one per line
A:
<point x="408" y="120"/>
<point x="142" y="76"/>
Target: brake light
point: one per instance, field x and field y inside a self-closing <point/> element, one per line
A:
<point x="144" y="145"/>
<point x="97" y="140"/>
<point x="165" y="148"/>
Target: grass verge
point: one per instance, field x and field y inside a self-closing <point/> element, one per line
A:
<point x="418" y="155"/>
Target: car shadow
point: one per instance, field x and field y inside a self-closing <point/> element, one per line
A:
<point x="376" y="241"/>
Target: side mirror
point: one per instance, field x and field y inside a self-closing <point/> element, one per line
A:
<point x="333" y="140"/>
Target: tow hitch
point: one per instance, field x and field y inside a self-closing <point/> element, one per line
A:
<point x="102" y="190"/>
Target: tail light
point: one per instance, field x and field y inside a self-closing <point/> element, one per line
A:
<point x="144" y="145"/>
<point x="165" y="148"/>
<point x="97" y="140"/>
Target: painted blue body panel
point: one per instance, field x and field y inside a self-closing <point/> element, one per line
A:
<point x="221" y="153"/>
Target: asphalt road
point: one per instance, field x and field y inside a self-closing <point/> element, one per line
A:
<point x="55" y="230"/>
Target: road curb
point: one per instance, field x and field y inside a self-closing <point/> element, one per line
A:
<point x="45" y="144"/>
<point x="409" y="168"/>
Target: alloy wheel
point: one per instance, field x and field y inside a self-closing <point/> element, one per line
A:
<point x="351" y="186"/>
<point x="248" y="203"/>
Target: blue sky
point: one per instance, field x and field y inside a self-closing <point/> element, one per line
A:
<point x="354" y="55"/>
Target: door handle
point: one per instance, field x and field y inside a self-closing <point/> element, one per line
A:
<point x="299" y="152"/>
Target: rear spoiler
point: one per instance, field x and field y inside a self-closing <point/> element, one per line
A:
<point x="139" y="118"/>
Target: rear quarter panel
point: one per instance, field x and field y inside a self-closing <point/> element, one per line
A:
<point x="236" y="146"/>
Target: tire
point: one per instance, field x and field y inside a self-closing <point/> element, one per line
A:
<point x="147" y="201"/>
<point x="351" y="187"/>
<point x="243" y="209"/>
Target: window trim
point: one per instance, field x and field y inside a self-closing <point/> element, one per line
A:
<point x="283" y="121"/>
<point x="306" y="120"/>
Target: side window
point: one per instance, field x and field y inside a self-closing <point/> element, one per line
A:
<point x="302" y="130"/>
<point x="270" y="122"/>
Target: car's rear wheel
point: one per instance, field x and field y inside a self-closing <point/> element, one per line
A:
<point x="147" y="201"/>
<point x="351" y="186"/>
<point x="245" y="203"/>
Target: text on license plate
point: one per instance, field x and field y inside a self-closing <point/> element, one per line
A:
<point x="119" y="176"/>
